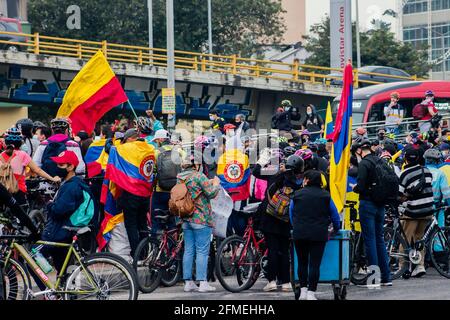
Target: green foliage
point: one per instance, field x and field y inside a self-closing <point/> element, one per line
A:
<point x="378" y="47"/>
<point x="239" y="26"/>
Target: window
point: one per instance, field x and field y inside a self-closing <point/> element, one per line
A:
<point x="415" y="6"/>
<point x="13" y="8"/>
<point x="398" y="73"/>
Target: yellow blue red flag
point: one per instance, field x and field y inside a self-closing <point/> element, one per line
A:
<point x="340" y="153"/>
<point x="329" y="123"/>
<point x="233" y="170"/>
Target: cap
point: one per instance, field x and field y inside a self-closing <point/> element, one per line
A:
<point x="229" y="126"/>
<point x="130" y="133"/>
<point x="161" y="134"/>
<point x="412" y="155"/>
<point x="66" y="157"/>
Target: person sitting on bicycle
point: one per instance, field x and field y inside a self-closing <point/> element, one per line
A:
<point x="441" y="191"/>
<point x="67" y="200"/>
<point x="417" y="191"/>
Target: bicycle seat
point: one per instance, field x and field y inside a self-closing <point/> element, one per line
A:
<point x="78" y="230"/>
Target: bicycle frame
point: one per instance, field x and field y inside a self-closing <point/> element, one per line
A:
<point x="53" y="287"/>
<point x="249" y="237"/>
<point x="164" y="245"/>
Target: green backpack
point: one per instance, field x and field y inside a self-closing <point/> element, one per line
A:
<point x="83" y="215"/>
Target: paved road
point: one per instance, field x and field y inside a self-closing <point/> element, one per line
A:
<point x="430" y="287"/>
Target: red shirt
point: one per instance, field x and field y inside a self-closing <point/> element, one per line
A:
<point x="428" y="116"/>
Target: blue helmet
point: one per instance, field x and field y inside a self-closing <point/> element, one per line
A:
<point x="13" y="136"/>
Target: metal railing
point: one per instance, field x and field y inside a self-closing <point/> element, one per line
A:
<point x="228" y="64"/>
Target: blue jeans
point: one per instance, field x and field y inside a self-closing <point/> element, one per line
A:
<point x="197" y="240"/>
<point x="160" y="200"/>
<point x="371" y="217"/>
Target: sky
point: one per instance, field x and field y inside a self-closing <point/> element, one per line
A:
<point x="368" y="9"/>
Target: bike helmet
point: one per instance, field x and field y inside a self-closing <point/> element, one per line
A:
<point x="286" y="103"/>
<point x="60" y="125"/>
<point x="305" y="154"/>
<point x="14" y="137"/>
<point x="305" y="133"/>
<point x="144" y="125"/>
<point x="289" y="151"/>
<point x="429" y="93"/>
<point x="386" y="155"/>
<point x="433" y="155"/>
<point x="229" y="126"/>
<point x="38" y="125"/>
<point x="295" y="163"/>
<point x="321" y="141"/>
<point x="201" y="142"/>
<point x="365" y="143"/>
<point x="25" y="126"/>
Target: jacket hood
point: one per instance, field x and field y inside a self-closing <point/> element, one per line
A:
<point x="58" y="138"/>
<point x="313" y="109"/>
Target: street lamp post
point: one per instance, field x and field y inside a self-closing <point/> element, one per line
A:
<point x="150" y="23"/>
<point x="170" y="56"/>
<point x="358" y="44"/>
<point x="210" y="28"/>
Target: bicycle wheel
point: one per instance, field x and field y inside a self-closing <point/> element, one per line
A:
<point x="16" y="280"/>
<point x="172" y="273"/>
<point x="235" y="264"/>
<point x="397" y="250"/>
<point x="144" y="263"/>
<point x="103" y="276"/>
<point x="358" y="263"/>
<point x="439" y="249"/>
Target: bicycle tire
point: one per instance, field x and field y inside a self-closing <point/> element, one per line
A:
<point x="147" y="284"/>
<point x="355" y="264"/>
<point x="398" y="241"/>
<point x="89" y="262"/>
<point x="11" y="274"/>
<point x="440" y="259"/>
<point x="257" y="269"/>
<point x="242" y="283"/>
<point x="172" y="274"/>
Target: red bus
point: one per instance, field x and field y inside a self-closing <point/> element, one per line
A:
<point x="368" y="102"/>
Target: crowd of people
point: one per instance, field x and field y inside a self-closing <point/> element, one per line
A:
<point x="290" y="178"/>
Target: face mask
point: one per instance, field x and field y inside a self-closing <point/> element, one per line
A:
<point x="35" y="137"/>
<point x="309" y="113"/>
<point x="62" y="173"/>
<point x="287" y="108"/>
<point x="211" y="118"/>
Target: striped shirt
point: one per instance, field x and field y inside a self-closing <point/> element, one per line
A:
<point x="418" y="205"/>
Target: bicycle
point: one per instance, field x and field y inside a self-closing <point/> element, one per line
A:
<point x="156" y="259"/>
<point x="403" y="255"/>
<point x="100" y="276"/>
<point x="240" y="260"/>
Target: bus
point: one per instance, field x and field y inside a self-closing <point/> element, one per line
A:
<point x="369" y="102"/>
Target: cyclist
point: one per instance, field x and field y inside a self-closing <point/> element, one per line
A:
<point x="146" y="127"/>
<point x="57" y="143"/>
<point x="311" y="215"/>
<point x="416" y="191"/>
<point x="31" y="143"/>
<point x="198" y="227"/>
<point x="441" y="191"/>
<point x="19" y="161"/>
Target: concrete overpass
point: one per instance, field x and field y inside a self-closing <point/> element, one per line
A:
<point x="39" y="79"/>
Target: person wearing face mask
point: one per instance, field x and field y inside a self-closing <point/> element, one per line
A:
<point x="371" y="214"/>
<point x="313" y="123"/>
<point x="241" y="125"/>
<point x="217" y="122"/>
<point x="282" y="120"/>
<point x="233" y="141"/>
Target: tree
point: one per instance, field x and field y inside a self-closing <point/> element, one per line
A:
<point x="239" y="26"/>
<point x="378" y="47"/>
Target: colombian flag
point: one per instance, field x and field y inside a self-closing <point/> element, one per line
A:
<point x="233" y="171"/>
<point x="92" y="158"/>
<point x="329" y="123"/>
<point x="94" y="91"/>
<point x="340" y="153"/>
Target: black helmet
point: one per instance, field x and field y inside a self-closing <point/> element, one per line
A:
<point x="144" y="125"/>
<point x="289" y="151"/>
<point x="295" y="163"/>
<point x="38" y="125"/>
<point x="60" y="124"/>
<point x="25" y="126"/>
<point x="433" y="155"/>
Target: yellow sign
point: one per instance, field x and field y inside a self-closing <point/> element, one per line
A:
<point x="168" y="100"/>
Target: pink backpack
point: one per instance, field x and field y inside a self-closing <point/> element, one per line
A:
<point x="260" y="189"/>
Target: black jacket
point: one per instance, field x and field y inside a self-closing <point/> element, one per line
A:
<point x="312" y="214"/>
<point x="282" y="120"/>
<point x="366" y="176"/>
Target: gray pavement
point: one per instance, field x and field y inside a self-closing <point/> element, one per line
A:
<point x="430" y="287"/>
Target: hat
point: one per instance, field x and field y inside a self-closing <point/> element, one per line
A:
<point x="214" y="111"/>
<point x="161" y="134"/>
<point x="412" y="155"/>
<point x="83" y="135"/>
<point x="130" y="133"/>
<point x="444" y="146"/>
<point x="229" y="126"/>
<point x="66" y="157"/>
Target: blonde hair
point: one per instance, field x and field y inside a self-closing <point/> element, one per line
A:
<point x="395" y="95"/>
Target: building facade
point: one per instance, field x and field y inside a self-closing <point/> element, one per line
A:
<point x="295" y="18"/>
<point x="427" y="22"/>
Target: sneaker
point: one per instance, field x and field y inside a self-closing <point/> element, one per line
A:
<point x="271" y="286"/>
<point x="286" y="287"/>
<point x="386" y="284"/>
<point x="303" y="293"/>
<point x="311" y="295"/>
<point x="418" y="272"/>
<point x="190" y="286"/>
<point x="205" y="287"/>
<point x="370" y="286"/>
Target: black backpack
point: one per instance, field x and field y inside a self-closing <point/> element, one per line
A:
<point x="53" y="149"/>
<point x="168" y="169"/>
<point x="384" y="189"/>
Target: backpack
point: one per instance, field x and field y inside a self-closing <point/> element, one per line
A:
<point x="418" y="188"/>
<point x="278" y="204"/>
<point x="181" y="203"/>
<point x="419" y="111"/>
<point x="85" y="212"/>
<point x="53" y="149"/>
<point x="7" y="178"/>
<point x="168" y="169"/>
<point x="385" y="188"/>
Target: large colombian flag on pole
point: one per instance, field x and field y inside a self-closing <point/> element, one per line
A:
<point x="340" y="153"/>
<point x="94" y="91"/>
<point x="329" y="123"/>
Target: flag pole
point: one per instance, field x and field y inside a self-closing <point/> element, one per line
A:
<point x="132" y="109"/>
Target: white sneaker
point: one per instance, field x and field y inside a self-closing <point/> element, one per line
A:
<point x="303" y="293"/>
<point x="205" y="287"/>
<point x="190" y="286"/>
<point x="271" y="286"/>
<point x="286" y="287"/>
<point x="418" y="272"/>
<point x="311" y="295"/>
